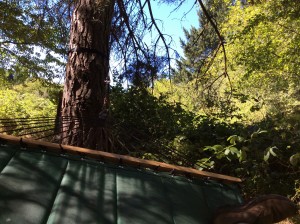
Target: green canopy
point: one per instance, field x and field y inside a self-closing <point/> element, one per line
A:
<point x="37" y="186"/>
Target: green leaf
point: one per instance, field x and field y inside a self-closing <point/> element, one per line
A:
<point x="272" y="151"/>
<point x="218" y="148"/>
<point x="258" y="132"/>
<point x="243" y="156"/>
<point x="240" y="139"/>
<point x="207" y="148"/>
<point x="227" y="151"/>
<point x="232" y="139"/>
<point x="205" y="163"/>
<point x="295" y="159"/>
<point x="266" y="156"/>
<point x="261" y="131"/>
<point x="234" y="150"/>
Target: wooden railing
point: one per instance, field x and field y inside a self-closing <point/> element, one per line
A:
<point x="118" y="159"/>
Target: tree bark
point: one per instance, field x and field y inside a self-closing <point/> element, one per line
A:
<point x="85" y="99"/>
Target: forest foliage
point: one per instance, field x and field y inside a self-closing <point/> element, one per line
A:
<point x="237" y="115"/>
<point x="258" y="100"/>
<point x="33" y="39"/>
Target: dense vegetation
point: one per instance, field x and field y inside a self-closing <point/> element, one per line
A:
<point x="252" y="93"/>
<point x="237" y="115"/>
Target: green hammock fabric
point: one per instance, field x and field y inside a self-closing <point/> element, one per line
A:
<point x="40" y="187"/>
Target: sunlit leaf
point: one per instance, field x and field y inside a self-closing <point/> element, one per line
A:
<point x="295" y="159"/>
<point x="266" y="156"/>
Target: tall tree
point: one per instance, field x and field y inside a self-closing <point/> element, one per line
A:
<point x="201" y="43"/>
<point x="84" y="96"/>
<point x="98" y="27"/>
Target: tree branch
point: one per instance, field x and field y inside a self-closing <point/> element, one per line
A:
<point x="221" y="38"/>
<point x="161" y="36"/>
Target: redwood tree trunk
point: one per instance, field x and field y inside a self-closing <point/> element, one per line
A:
<point x="84" y="96"/>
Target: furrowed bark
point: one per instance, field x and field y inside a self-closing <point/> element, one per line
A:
<point x="85" y="88"/>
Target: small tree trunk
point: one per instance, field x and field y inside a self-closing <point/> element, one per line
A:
<point x="84" y="96"/>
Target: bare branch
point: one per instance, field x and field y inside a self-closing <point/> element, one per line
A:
<point x="161" y="36"/>
<point x="221" y="38"/>
<point x="17" y="43"/>
<point x="136" y="43"/>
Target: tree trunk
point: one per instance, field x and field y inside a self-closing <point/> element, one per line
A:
<point x="85" y="100"/>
